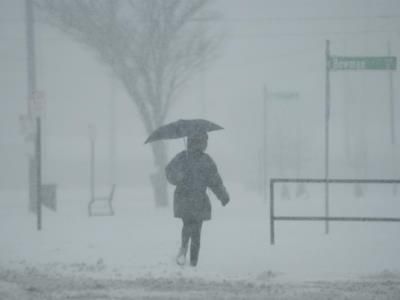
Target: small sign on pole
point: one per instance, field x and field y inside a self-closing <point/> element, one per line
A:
<point x="49" y="196"/>
<point x="48" y="192"/>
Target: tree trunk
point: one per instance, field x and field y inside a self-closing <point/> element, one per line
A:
<point x="157" y="179"/>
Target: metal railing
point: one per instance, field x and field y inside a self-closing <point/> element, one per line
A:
<point x="274" y="218"/>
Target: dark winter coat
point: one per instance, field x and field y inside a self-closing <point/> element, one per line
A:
<point x="192" y="174"/>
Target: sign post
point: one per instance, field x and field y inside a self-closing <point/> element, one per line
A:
<point x="391" y="99"/>
<point x="327" y="116"/>
<point x="350" y="63"/>
<point x="264" y="169"/>
<point x="392" y="120"/>
<point x="37" y="106"/>
<point x="31" y="76"/>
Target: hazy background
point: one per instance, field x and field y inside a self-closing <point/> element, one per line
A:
<point x="279" y="45"/>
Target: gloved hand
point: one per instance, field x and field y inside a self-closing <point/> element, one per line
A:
<point x="225" y="200"/>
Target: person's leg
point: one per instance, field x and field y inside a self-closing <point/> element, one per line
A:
<point x="186" y="233"/>
<point x="195" y="242"/>
<point x="185" y="236"/>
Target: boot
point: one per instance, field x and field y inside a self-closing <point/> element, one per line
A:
<point x="194" y="254"/>
<point x="181" y="257"/>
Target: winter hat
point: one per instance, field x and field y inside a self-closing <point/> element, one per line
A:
<point x="197" y="141"/>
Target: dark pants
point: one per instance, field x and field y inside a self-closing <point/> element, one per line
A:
<point x="191" y="230"/>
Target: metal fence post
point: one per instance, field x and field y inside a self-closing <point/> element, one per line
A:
<point x="271" y="212"/>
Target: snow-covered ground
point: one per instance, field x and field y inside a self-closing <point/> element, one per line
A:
<point x="131" y="255"/>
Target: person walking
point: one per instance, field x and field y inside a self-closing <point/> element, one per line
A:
<point x="192" y="171"/>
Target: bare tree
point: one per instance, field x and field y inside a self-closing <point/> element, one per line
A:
<point x="152" y="46"/>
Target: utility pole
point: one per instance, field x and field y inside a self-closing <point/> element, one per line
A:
<point x="112" y="104"/>
<point x="32" y="106"/>
<point x="30" y="46"/>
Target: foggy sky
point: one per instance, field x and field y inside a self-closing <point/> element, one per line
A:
<point x="279" y="45"/>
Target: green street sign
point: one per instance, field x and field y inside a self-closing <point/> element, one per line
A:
<point x="349" y="63"/>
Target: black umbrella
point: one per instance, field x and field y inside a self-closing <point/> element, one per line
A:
<point x="182" y="128"/>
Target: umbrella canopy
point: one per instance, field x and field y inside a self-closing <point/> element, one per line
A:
<point x="182" y="128"/>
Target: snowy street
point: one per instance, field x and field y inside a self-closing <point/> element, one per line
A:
<point x="34" y="285"/>
<point x="74" y="256"/>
